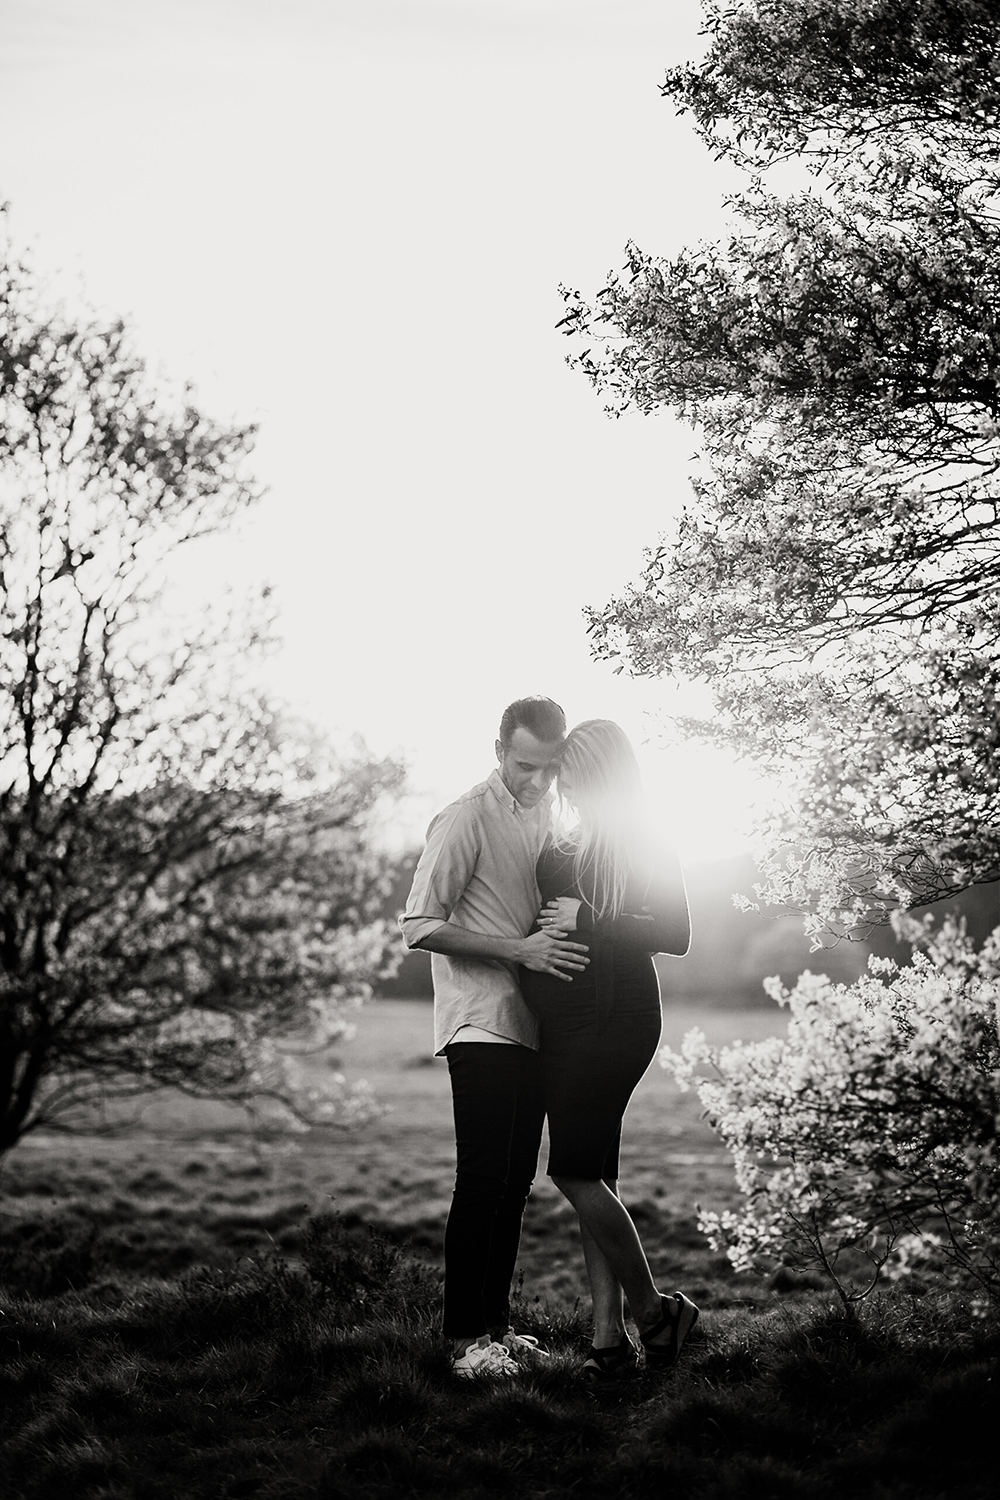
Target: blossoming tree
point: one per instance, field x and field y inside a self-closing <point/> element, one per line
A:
<point x="188" y="890"/>
<point x="835" y="581"/>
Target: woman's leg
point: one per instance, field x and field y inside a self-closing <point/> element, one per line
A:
<point x="605" y="1290"/>
<point x="610" y="1226"/>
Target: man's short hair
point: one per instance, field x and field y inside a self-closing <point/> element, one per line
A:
<point x="539" y="716"/>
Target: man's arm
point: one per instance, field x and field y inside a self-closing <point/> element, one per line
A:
<point x="443" y="871"/>
<point x="542" y="951"/>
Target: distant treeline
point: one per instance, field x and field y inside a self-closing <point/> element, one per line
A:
<point x="732" y="952"/>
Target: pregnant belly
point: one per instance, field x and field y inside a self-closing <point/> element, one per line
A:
<point x="541" y="991"/>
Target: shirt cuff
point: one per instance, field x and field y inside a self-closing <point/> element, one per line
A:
<point x="415" y="929"/>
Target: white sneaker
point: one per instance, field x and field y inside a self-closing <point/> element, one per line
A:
<point x="523" y="1343"/>
<point x="483" y="1358"/>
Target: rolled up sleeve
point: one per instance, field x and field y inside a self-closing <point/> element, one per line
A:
<point x="442" y="874"/>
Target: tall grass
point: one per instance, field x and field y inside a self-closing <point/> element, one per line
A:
<point x="322" y="1375"/>
<point x="185" y="1317"/>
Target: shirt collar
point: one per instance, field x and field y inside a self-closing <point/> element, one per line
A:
<point x="501" y="792"/>
<point x="505" y="796"/>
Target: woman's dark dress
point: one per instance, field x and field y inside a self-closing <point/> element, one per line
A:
<point x="600" y="1030"/>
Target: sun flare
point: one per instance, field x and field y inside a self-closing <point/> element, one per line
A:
<point x="705" y="800"/>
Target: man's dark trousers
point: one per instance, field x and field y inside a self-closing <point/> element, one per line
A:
<point x="497" y="1097"/>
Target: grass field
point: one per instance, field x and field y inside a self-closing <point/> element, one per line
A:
<point x="185" y="1186"/>
<point x="187" y="1313"/>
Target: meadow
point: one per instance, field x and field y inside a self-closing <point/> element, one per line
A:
<point x="186" y="1311"/>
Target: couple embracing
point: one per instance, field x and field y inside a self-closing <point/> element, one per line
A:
<point x="546" y="1004"/>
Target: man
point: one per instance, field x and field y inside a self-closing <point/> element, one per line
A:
<point x="473" y="899"/>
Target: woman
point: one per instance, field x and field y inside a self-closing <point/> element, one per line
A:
<point x="600" y="1029"/>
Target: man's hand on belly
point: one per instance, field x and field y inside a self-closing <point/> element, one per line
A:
<point x="552" y="953"/>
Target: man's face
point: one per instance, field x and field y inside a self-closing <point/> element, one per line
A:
<point x="527" y="766"/>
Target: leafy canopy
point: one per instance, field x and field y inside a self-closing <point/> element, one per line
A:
<point x="827" y="76"/>
<point x="835" y="577"/>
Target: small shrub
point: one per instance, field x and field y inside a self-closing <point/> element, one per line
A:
<point x="365" y="1275"/>
<point x="871" y="1128"/>
<point x="259" y="1297"/>
<point x="46" y="1257"/>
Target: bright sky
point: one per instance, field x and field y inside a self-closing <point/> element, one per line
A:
<point x="348" y="220"/>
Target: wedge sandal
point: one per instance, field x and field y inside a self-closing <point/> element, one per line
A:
<point x="605" y="1364"/>
<point x="679" y="1315"/>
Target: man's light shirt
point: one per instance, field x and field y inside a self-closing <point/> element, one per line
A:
<point x="477" y="871"/>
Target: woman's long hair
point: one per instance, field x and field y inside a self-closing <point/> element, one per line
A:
<point x="600" y="765"/>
